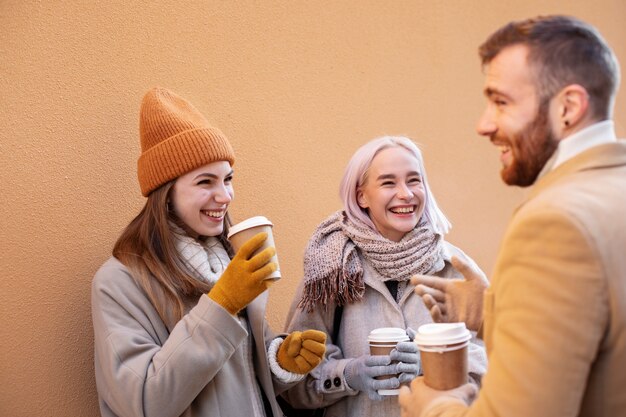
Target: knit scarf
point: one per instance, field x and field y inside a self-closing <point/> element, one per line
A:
<point x="206" y="260"/>
<point x="333" y="269"/>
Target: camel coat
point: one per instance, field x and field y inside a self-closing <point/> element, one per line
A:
<point x="555" y="314"/>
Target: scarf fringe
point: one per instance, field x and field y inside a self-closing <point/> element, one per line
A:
<point x="338" y="288"/>
<point x="333" y="271"/>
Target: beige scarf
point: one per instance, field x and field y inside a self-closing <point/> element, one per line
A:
<point x="332" y="260"/>
<point x="207" y="261"/>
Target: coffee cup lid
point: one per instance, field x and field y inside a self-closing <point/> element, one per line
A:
<point x="388" y="334"/>
<point x="248" y="223"/>
<point x="434" y="334"/>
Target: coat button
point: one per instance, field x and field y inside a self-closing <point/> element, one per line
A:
<point x="337" y="381"/>
<point x="327" y="384"/>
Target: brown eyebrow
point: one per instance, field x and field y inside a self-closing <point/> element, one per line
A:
<point x="489" y="92"/>
<point x="208" y="174"/>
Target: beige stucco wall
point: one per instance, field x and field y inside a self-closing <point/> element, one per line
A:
<point x="296" y="86"/>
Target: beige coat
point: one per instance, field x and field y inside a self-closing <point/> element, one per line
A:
<point x="555" y="314"/>
<point x="326" y="385"/>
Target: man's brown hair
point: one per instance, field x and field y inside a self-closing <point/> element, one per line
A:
<point x="562" y="51"/>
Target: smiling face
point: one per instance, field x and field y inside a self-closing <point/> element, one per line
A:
<point x="393" y="192"/>
<point x="515" y="119"/>
<point x="201" y="197"/>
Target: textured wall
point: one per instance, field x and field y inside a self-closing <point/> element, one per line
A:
<point x="296" y="86"/>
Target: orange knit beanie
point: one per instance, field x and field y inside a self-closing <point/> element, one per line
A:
<point x="175" y="139"/>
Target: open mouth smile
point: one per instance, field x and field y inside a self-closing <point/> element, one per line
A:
<point x="214" y="214"/>
<point x="403" y="210"/>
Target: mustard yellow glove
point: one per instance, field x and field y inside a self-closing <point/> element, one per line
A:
<point x="244" y="278"/>
<point x="301" y="352"/>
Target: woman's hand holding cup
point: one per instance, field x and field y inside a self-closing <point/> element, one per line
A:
<point x="245" y="277"/>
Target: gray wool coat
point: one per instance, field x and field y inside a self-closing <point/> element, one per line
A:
<point x="326" y="385"/>
<point x="197" y="368"/>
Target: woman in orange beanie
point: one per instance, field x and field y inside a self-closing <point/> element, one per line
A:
<point x="179" y="319"/>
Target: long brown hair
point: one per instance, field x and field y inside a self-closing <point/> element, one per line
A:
<point x="147" y="248"/>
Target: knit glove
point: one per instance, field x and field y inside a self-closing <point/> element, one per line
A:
<point x="361" y="372"/>
<point x="409" y="357"/>
<point x="454" y="300"/>
<point x="301" y="352"/>
<point x="244" y="278"/>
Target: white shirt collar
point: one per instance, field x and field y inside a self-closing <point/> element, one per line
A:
<point x="594" y="135"/>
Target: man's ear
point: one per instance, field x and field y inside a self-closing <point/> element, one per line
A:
<point x="573" y="106"/>
<point x="361" y="200"/>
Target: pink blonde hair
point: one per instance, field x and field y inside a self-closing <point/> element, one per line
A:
<point x="355" y="176"/>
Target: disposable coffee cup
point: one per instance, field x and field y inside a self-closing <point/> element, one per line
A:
<point x="443" y="351"/>
<point x="245" y="230"/>
<point x="381" y="342"/>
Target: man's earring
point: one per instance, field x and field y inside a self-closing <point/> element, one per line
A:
<point x="566" y="123"/>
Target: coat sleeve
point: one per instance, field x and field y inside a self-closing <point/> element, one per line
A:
<point x="546" y="314"/>
<point x="477" y="360"/>
<point x="326" y="384"/>
<point x="137" y="373"/>
<point x="477" y="357"/>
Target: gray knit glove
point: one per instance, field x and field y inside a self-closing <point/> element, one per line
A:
<point x="360" y="373"/>
<point x="409" y="357"/>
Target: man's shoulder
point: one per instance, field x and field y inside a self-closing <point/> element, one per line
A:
<point x="591" y="201"/>
<point x="596" y="176"/>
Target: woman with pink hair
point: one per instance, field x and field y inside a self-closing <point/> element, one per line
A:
<point x="357" y="271"/>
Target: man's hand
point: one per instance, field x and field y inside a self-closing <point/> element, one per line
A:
<point x="420" y="398"/>
<point x="454" y="300"/>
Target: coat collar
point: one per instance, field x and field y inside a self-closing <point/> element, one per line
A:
<point x="598" y="157"/>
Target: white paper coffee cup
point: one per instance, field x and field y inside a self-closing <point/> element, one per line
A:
<point x="381" y="342"/>
<point x="245" y="230"/>
<point x="443" y="351"/>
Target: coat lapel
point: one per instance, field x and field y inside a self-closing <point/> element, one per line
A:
<point x="598" y="157"/>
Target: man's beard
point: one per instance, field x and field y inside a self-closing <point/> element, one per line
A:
<point x="530" y="150"/>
